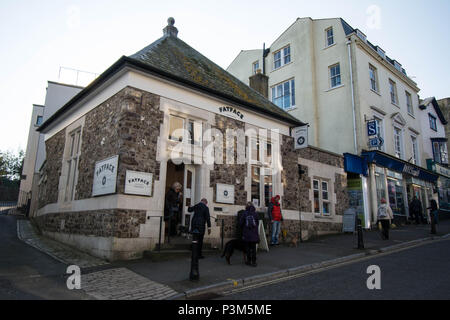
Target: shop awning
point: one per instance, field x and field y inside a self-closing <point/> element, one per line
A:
<point x="355" y="164"/>
<point x="387" y="161"/>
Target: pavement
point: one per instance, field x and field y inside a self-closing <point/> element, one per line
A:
<point x="170" y="279"/>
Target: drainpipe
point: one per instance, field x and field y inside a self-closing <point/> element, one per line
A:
<point x="349" y="42"/>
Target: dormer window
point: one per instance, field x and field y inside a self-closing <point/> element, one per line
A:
<point x="361" y="35"/>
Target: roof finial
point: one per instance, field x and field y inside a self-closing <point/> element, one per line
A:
<point x="170" y="30"/>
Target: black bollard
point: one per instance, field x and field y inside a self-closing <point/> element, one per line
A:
<point x="194" y="275"/>
<point x="360" y="235"/>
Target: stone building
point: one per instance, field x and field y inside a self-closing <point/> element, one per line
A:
<point x="168" y="114"/>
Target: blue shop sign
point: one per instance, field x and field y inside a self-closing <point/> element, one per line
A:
<point x="398" y="165"/>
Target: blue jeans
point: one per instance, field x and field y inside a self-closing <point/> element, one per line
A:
<point x="276" y="226"/>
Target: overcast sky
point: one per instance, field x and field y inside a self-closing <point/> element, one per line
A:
<point x="39" y="37"/>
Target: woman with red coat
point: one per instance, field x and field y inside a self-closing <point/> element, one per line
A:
<point x="276" y="217"/>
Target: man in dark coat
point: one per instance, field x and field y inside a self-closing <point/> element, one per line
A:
<point x="416" y="209"/>
<point x="200" y="218"/>
<point x="249" y="222"/>
<point x="172" y="205"/>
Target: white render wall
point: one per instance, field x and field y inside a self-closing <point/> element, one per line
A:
<point x="246" y="58"/>
<point x="31" y="152"/>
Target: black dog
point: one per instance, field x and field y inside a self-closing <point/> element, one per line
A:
<point x="231" y="246"/>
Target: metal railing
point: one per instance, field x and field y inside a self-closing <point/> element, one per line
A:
<point x="160" y="230"/>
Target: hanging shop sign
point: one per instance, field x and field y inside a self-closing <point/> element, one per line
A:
<point x="300" y="135"/>
<point x="372" y="128"/>
<point x="138" y="183"/>
<point x="225" y="193"/>
<point x="105" y="176"/>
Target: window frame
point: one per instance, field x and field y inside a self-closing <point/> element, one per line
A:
<point x="335" y="76"/>
<point x="254" y="70"/>
<point x="72" y="161"/>
<point x="432" y="120"/>
<point x="264" y="168"/>
<point x="373" y="70"/>
<point x="393" y="92"/>
<point x="380" y="127"/>
<point x="400" y="143"/>
<point x="320" y="190"/>
<point x="409" y="103"/>
<point x="415" y="150"/>
<point x="196" y="125"/>
<point x="274" y="93"/>
<point x="282" y="57"/>
<point x="327" y="37"/>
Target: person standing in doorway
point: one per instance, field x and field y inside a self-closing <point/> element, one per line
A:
<point x="276" y="217"/>
<point x="172" y="207"/>
<point x="416" y="209"/>
<point x="200" y="218"/>
<point x="249" y="223"/>
<point x="385" y="216"/>
<point x="434" y="215"/>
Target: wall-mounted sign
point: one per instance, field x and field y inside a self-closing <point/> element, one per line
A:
<point x="376" y="142"/>
<point x="105" y="176"/>
<point x="139" y="183"/>
<point x="411" y="170"/>
<point x="372" y="128"/>
<point x="300" y="135"/>
<point x="225" y="193"/>
<point x="233" y="111"/>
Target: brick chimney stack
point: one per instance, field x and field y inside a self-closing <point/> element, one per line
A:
<point x="260" y="83"/>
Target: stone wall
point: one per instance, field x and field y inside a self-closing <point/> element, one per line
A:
<point x="127" y="124"/>
<point x="48" y="190"/>
<point x="233" y="174"/>
<point x="289" y="176"/>
<point x="118" y="223"/>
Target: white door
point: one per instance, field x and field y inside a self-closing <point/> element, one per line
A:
<point x="188" y="193"/>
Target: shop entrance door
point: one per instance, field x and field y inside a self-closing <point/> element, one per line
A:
<point x="188" y="194"/>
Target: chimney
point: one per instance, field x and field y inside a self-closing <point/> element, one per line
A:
<point x="260" y="83"/>
<point x="170" y="30"/>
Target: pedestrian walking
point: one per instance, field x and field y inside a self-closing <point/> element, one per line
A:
<point x="249" y="223"/>
<point x="415" y="209"/>
<point x="434" y="215"/>
<point x="385" y="216"/>
<point x="276" y="218"/>
<point x="173" y="202"/>
<point x="199" y="220"/>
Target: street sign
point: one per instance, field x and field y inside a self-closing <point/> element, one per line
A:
<point x="376" y="142"/>
<point x="372" y="128"/>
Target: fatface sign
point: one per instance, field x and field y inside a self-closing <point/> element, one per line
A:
<point x="138" y="183"/>
<point x="225" y="193"/>
<point x="233" y="111"/>
<point x="300" y="135"/>
<point x="105" y="176"/>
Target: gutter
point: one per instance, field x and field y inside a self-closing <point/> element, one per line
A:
<point x="349" y="42"/>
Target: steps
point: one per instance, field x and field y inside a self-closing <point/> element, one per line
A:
<point x="177" y="248"/>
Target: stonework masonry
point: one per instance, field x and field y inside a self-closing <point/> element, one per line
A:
<point x="127" y="124"/>
<point x="118" y="223"/>
<point x="48" y="190"/>
<point x="233" y="174"/>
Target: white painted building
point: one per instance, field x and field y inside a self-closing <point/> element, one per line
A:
<point x="331" y="76"/>
<point x="57" y="95"/>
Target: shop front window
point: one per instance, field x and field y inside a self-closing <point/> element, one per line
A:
<point x="380" y="183"/>
<point x="396" y="198"/>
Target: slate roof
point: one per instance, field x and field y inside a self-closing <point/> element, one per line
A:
<point x="432" y="100"/>
<point x="174" y="57"/>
